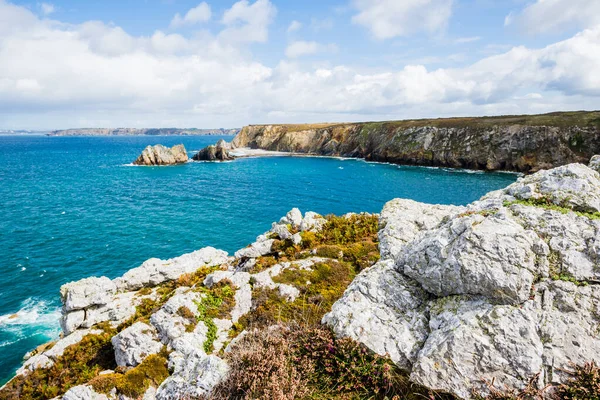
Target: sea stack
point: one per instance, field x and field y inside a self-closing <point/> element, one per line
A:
<point x="161" y="155"/>
<point x="218" y="152"/>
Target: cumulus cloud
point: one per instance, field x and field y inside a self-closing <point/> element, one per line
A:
<point x="545" y="16"/>
<point x="104" y="76"/>
<point x="301" y="48"/>
<point x="247" y="22"/>
<point x="198" y="14"/>
<point x="387" y="19"/>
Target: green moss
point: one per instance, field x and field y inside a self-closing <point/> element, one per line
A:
<point x="319" y="289"/>
<point x="216" y="302"/>
<point x="548" y="205"/>
<point x="566" y="277"/>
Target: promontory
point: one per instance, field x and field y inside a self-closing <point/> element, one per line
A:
<point x="524" y="143"/>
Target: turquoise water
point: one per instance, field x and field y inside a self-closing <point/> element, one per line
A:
<point x="73" y="208"/>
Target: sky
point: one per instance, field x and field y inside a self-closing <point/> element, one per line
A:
<point x="217" y="63"/>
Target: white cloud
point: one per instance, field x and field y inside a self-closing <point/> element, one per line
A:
<point x="301" y="48"/>
<point x="198" y="14"/>
<point x="247" y="22"/>
<point x="387" y="19"/>
<point x="47" y="8"/>
<point x="294" y="26"/>
<point x="464" y="40"/>
<point x="106" y="76"/>
<point x="545" y="16"/>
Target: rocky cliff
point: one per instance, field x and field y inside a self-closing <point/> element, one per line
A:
<point x="422" y="301"/>
<point x="515" y="143"/>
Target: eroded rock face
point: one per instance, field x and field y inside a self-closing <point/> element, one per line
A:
<point x="501" y="290"/>
<point x="218" y="152"/>
<point x="503" y="143"/>
<point x="161" y="155"/>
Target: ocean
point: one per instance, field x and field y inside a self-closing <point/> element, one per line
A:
<point x="74" y="207"/>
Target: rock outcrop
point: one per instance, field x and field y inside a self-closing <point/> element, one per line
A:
<point x="161" y="155"/>
<point x="500" y="291"/>
<point x="518" y="143"/>
<point x="218" y="152"/>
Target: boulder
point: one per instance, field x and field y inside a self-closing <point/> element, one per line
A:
<point x="195" y="377"/>
<point x="499" y="291"/>
<point x="218" y="152"/>
<point x="161" y="155"/>
<point x="87" y="292"/>
<point x="134" y="344"/>
<point x="155" y="271"/>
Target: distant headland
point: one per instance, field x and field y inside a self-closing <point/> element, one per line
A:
<point x="143" y="131"/>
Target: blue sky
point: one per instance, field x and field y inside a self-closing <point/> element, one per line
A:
<point x="226" y="63"/>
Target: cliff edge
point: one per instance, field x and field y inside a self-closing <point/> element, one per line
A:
<point x="512" y="143"/>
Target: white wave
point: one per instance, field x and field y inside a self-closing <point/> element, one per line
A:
<point x="33" y="313"/>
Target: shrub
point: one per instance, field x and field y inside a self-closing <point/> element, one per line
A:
<point x="134" y="383"/>
<point x="78" y="364"/>
<point x="584" y="383"/>
<point x="319" y="289"/>
<point x="296" y="362"/>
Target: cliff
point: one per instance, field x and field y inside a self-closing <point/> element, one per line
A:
<point x="513" y="143"/>
<point x="420" y="301"/>
<point x="142" y="131"/>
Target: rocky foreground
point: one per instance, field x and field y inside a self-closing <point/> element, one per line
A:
<point x="421" y="300"/>
<point x="513" y="143"/>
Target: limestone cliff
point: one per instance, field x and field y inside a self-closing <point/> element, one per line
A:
<point x="513" y="143"/>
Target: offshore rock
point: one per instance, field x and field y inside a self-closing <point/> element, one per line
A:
<point x="161" y="155"/>
<point x="218" y="152"/>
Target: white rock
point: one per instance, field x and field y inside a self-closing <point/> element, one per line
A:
<point x="83" y="392"/>
<point x="168" y="322"/>
<point x="256" y="249"/>
<point x="296" y="238"/>
<point x="243" y="302"/>
<point x="312" y="222"/>
<point x="154" y="271"/>
<point x="87" y="292"/>
<point x="384" y="310"/>
<point x="492" y="256"/>
<point x="293" y="217"/>
<point x="196" y="377"/>
<point x="595" y="163"/>
<point x="71" y="321"/>
<point x="289" y="292"/>
<point x="281" y="231"/>
<point x="223" y="328"/>
<point x="402" y="220"/>
<point x="573" y="185"/>
<point x="472" y="341"/>
<point x="238" y="278"/>
<point x="134" y="344"/>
